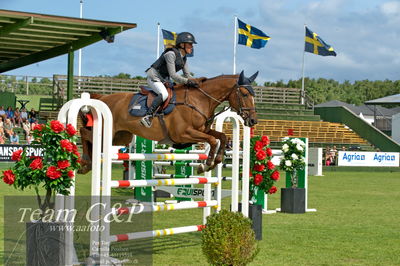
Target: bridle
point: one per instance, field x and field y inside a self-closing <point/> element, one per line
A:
<point x="241" y="111"/>
<point x="244" y="112"/>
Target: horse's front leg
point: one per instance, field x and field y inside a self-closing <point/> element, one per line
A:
<point x="198" y="136"/>
<point x="222" y="140"/>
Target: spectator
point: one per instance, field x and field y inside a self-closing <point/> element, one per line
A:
<point x="2" y="137"/>
<point x="8" y="128"/>
<point x="33" y="124"/>
<point x="343" y="148"/>
<point x="17" y="117"/>
<point x="32" y="115"/>
<point x="328" y="159"/>
<point x="29" y="139"/>
<point x="24" y="114"/>
<point x="3" y="113"/>
<point x="1" y="122"/>
<point x="333" y="153"/>
<point x="229" y="144"/>
<point x="10" y="114"/>
<point x="27" y="128"/>
<point x="14" y="139"/>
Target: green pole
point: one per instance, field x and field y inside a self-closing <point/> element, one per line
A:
<point x="70" y="78"/>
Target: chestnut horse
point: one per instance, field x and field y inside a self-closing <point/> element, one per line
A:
<point x="189" y="122"/>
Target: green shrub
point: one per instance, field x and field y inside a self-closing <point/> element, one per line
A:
<point x="228" y="239"/>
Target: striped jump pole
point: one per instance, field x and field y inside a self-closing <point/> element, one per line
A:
<point x="176" y="176"/>
<point x="177" y="163"/>
<point x="140" y="208"/>
<point x="162" y="182"/>
<point x="153" y="157"/>
<point x="178" y="151"/>
<point x="156" y="233"/>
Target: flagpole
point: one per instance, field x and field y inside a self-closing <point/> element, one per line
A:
<point x="80" y="50"/>
<point x="234" y="45"/>
<point x="158" y="39"/>
<point x="302" y="93"/>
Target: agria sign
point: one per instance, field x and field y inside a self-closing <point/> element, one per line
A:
<point x="353" y="158"/>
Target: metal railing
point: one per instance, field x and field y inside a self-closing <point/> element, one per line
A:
<point x="27" y="85"/>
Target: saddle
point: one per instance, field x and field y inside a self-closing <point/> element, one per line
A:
<point x="147" y="91"/>
<point x="142" y="100"/>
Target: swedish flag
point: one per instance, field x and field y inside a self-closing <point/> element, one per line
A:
<point x="169" y="38"/>
<point x="251" y="36"/>
<point x="315" y="45"/>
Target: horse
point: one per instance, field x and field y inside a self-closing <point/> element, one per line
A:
<point x="190" y="121"/>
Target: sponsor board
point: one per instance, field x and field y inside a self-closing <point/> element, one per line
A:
<point x="6" y="151"/>
<point x="192" y="193"/>
<point x="356" y="158"/>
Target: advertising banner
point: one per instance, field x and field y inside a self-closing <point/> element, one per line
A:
<point x="364" y="158"/>
<point x="6" y="151"/>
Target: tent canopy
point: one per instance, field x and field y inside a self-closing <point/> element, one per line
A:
<point x="392" y="99"/>
<point x="27" y="38"/>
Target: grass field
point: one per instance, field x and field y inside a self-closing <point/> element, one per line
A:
<point x="356" y="223"/>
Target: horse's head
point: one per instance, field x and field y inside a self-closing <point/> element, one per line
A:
<point x="242" y="99"/>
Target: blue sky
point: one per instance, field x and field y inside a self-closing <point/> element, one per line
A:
<point x="364" y="33"/>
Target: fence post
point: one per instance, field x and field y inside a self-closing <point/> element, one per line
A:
<point x="27" y="85"/>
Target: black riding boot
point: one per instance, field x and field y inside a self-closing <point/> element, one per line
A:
<point x="146" y="121"/>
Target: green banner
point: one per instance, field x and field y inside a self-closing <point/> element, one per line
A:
<point x="184" y="171"/>
<point x="144" y="170"/>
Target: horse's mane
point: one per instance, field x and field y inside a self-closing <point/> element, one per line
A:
<point x="223" y="77"/>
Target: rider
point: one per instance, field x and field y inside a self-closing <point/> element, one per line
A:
<point x="165" y="67"/>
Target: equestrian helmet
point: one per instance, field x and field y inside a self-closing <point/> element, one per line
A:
<point x="185" y="37"/>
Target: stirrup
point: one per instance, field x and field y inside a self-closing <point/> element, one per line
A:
<point x="146" y="121"/>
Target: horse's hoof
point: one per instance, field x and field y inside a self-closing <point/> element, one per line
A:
<point x="200" y="169"/>
<point x="204" y="168"/>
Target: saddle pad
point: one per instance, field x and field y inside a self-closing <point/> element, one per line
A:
<point x="138" y="106"/>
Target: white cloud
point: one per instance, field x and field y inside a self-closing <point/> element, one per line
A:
<point x="391" y="8"/>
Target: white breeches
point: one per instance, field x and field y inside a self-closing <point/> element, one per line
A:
<point x="158" y="87"/>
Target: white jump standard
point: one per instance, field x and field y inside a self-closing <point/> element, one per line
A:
<point x="102" y="160"/>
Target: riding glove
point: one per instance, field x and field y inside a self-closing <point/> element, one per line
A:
<point x="192" y="83"/>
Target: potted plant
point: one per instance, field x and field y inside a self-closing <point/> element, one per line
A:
<point x="293" y="198"/>
<point x="263" y="177"/>
<point x="50" y="173"/>
<point x="228" y="239"/>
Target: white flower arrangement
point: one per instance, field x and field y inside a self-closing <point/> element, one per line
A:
<point x="293" y="157"/>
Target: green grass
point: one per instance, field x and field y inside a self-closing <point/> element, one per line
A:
<point x="356" y="223"/>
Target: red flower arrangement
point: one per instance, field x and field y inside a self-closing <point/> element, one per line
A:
<point x="263" y="171"/>
<point x="54" y="170"/>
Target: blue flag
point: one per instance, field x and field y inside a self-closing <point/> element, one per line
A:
<point x="251" y="36"/>
<point x="315" y="45"/>
<point x="169" y="38"/>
